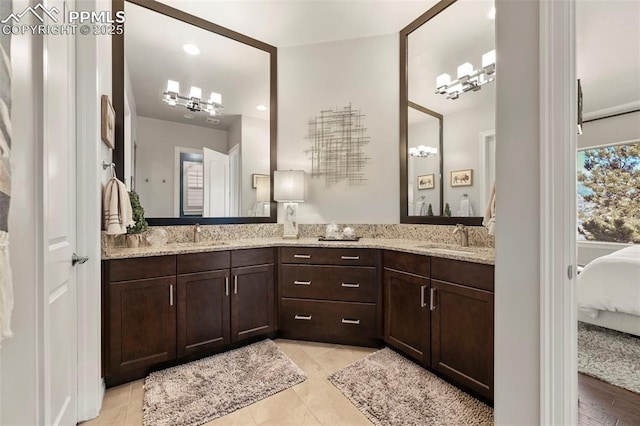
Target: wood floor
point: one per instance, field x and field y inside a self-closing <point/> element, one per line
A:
<point x="600" y="403"/>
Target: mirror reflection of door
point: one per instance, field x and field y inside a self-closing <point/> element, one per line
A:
<point x="216" y="201"/>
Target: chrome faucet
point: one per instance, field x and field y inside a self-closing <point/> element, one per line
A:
<point x="196" y="233"/>
<point x="464" y="234"/>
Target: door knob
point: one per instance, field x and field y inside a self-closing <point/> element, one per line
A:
<point x="78" y="259"/>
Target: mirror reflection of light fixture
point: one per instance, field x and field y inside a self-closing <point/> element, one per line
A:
<point x="194" y="101"/>
<point x="468" y="79"/>
<point x="423" y="151"/>
<point x="289" y="187"/>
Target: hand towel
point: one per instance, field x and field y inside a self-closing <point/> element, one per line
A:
<point x="465" y="209"/>
<point x="490" y="212"/>
<point x="117" y="208"/>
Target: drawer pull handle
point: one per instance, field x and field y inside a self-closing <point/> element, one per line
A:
<point x="226" y="286"/>
<point x="351" y="285"/>
<point x="350" y="257"/>
<point x="303" y="317"/>
<point x="350" y="321"/>
<point x="302" y="256"/>
<point x="235" y="284"/>
<point x="422" y="289"/>
<point x="170" y="294"/>
<point x="302" y="282"/>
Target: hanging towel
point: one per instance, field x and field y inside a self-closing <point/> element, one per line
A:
<point x="6" y="285"/>
<point x="490" y="213"/>
<point x="117" y="208"/>
<point x="420" y="208"/>
<point x="465" y="209"/>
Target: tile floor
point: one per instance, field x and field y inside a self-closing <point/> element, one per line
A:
<point x="313" y="402"/>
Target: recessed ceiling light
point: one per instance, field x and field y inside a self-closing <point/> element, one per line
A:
<point x="191" y="49"/>
<point x="492" y="13"/>
<point x="261" y="108"/>
<point x="189" y="116"/>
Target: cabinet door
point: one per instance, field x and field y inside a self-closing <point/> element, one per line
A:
<point x="406" y="314"/>
<point x="142" y="323"/>
<point x="203" y="312"/>
<point x="462" y="335"/>
<point x="252" y="302"/>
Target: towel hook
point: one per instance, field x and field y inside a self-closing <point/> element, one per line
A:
<point x="106" y="165"/>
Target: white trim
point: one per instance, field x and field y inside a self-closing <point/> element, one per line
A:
<point x="558" y="145"/>
<point x="89" y="180"/>
<point x="618" y="109"/>
<point x="603" y="245"/>
<point x="485" y="189"/>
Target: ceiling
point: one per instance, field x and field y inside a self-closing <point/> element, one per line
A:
<point x="607" y="42"/>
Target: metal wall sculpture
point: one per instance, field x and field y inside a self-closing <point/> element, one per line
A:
<point x="338" y="137"/>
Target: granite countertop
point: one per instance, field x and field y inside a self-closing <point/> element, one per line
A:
<point x="470" y="254"/>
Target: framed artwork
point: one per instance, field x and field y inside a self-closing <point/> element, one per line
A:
<point x="108" y="127"/>
<point x="426" y="181"/>
<point x="462" y="177"/>
<point x="256" y="177"/>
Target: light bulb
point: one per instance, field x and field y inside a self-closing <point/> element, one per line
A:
<point x="489" y="58"/>
<point x="196" y="92"/>
<point x="465" y="70"/>
<point x="443" y="80"/>
<point x="173" y="86"/>
<point x="216" y="98"/>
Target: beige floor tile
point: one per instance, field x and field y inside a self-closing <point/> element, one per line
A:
<point x="137" y="384"/>
<point x="299" y="416"/>
<point x="108" y="417"/>
<point x="116" y="396"/>
<point x="134" y="409"/>
<point x="275" y="405"/>
<point x="307" y="364"/>
<point x="337" y="359"/>
<point x="241" y="417"/>
<point x="317" y="348"/>
<point x="333" y="408"/>
<point x="313" y="388"/>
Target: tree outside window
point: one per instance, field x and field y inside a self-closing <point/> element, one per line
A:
<point x="609" y="194"/>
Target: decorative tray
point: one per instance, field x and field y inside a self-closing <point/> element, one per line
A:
<point x="338" y="239"/>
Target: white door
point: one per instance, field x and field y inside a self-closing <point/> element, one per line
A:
<point x="58" y="322"/>
<point x="216" y="184"/>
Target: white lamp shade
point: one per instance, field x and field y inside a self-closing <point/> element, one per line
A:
<point x="443" y="80"/>
<point x="173" y="86"/>
<point x="289" y="186"/>
<point x="465" y="70"/>
<point x="196" y="92"/>
<point x="489" y="58"/>
<point x="216" y="98"/>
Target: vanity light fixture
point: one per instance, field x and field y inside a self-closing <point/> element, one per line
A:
<point x="423" y="151"/>
<point x="193" y="102"/>
<point x="468" y="78"/>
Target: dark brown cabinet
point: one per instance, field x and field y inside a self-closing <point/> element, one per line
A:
<point x="406" y="314"/>
<point x="160" y="309"/>
<point x="330" y="295"/>
<point x="440" y="312"/>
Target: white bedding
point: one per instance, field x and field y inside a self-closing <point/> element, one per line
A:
<point x="611" y="283"/>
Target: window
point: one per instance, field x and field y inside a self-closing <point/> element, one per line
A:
<point x="609" y="193"/>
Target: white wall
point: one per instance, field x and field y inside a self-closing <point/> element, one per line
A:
<point x="517" y="273"/>
<point x="622" y="128"/>
<point x="156" y="157"/>
<point x="254" y="154"/>
<point x="19" y="362"/>
<point x="462" y="150"/>
<point x="363" y="72"/>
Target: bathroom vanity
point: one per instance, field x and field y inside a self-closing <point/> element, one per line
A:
<point x="163" y="307"/>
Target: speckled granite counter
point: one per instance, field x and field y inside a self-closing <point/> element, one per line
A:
<point x="470" y="254"/>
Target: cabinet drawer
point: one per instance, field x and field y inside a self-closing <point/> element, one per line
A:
<point x="328" y="256"/>
<point x="471" y="274"/>
<point x="334" y="321"/>
<point x="141" y="268"/>
<point x="252" y="257"/>
<point x="201" y="262"/>
<point x="413" y="263"/>
<point x="343" y="283"/>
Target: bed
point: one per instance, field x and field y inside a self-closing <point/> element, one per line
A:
<point x="608" y="291"/>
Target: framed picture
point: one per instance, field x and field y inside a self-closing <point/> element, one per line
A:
<point x="426" y="181"/>
<point x="462" y="177"/>
<point x="255" y="177"/>
<point x="108" y="127"/>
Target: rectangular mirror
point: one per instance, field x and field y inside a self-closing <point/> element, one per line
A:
<point x="447" y="113"/>
<point x="196" y="117"/>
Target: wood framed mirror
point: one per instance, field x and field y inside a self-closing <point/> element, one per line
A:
<point x="457" y="129"/>
<point x="188" y="162"/>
